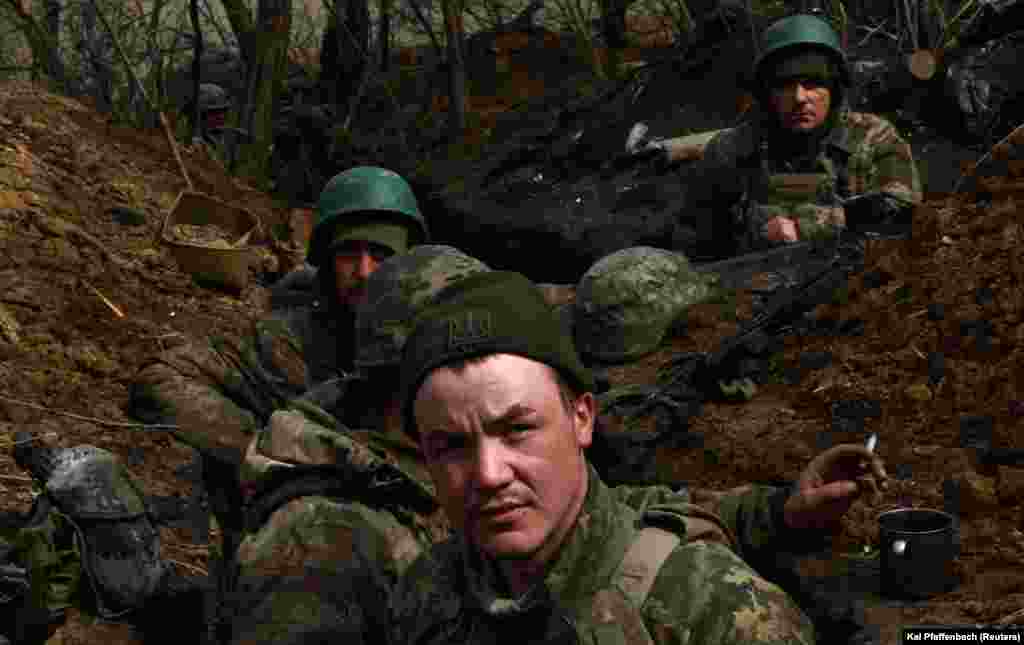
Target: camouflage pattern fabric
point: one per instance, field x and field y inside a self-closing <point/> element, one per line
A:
<point x="746" y="182"/>
<point x="43" y="549"/>
<point x="397" y="291"/>
<point x="219" y="392"/>
<point x="704" y="593"/>
<point x="627" y="301"/>
<point x="329" y="506"/>
<point x="314" y="529"/>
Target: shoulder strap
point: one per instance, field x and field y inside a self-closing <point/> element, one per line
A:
<point x="616" y="610"/>
<point x="636" y="573"/>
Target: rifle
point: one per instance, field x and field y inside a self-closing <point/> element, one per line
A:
<point x="805" y="274"/>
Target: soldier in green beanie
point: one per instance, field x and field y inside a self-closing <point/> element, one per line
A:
<point x="502" y="409"/>
<point x="341" y="503"/>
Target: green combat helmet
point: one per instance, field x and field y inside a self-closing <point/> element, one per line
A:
<point x="213" y="97"/>
<point x="801" y="30"/>
<point x="397" y="292"/>
<point x="372" y="198"/>
<point x="627" y="302"/>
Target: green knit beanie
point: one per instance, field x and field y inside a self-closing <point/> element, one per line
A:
<point x="499" y="312"/>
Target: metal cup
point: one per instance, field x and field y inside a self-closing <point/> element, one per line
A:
<point x="918" y="546"/>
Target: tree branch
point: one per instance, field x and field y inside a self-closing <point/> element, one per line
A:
<point x="426" y="27"/>
<point x="43" y="44"/>
<point x="243" y="25"/>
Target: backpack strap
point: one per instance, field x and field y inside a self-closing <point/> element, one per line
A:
<point x="616" y="610"/>
<point x="644" y="558"/>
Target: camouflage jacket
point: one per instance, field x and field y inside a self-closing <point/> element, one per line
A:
<point x="331" y="506"/>
<point x="219" y="391"/>
<point x="747" y="178"/>
<point x="703" y="593"/>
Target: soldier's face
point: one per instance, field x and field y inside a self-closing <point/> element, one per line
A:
<point x="505" y="454"/>
<point x="800" y="104"/>
<point x="354" y="262"/>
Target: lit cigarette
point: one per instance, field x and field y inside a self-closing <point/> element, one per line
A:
<point x="871" y="442"/>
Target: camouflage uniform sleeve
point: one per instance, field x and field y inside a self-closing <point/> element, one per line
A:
<point x="641" y="498"/>
<point x="713" y="191"/>
<point x="753" y="514"/>
<point x="319" y="567"/>
<point x="706" y="595"/>
<point x="883" y="177"/>
<point x="219" y="392"/>
<point x="884" y="163"/>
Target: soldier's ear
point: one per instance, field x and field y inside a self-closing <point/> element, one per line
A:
<point x="584" y="413"/>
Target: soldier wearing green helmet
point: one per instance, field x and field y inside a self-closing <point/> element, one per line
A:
<point x="218" y="393"/>
<point x="803" y="165"/>
<point x="332" y="478"/>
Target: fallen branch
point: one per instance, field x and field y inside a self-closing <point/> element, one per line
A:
<point x="106" y="301"/>
<point x="103" y="422"/>
<point x="9" y="326"/>
<point x="15" y="478"/>
<point x="1015" y="137"/>
<point x="9" y="444"/>
<point x="21" y="303"/>
<point x="878" y="29"/>
<point x="194" y="549"/>
<point x="191" y="567"/>
<point x="60" y="227"/>
<point x="1016" y="618"/>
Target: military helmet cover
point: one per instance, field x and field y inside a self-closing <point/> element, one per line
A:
<point x="799" y="33"/>
<point x="627" y="301"/>
<point x="397" y="292"/>
<point x="368" y="195"/>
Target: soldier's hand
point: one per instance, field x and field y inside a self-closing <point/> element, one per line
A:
<point x="782" y="229"/>
<point x="830" y="484"/>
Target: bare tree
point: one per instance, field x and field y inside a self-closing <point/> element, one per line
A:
<point x="384" y="35"/>
<point x="95" y="50"/>
<point x="452" y="12"/>
<point x="417" y="12"/>
<point x="344" y="53"/>
<point x="54" y="64"/>
<point x="613" y="28"/>
<point x="197" y="71"/>
<point x="264" y="44"/>
<point x="45" y="52"/>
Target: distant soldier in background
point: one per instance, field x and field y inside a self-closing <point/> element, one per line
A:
<point x="214" y="104"/>
<point x="802" y="165"/>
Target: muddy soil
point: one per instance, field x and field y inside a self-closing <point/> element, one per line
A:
<point x="86" y="296"/>
<point x="924" y="364"/>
